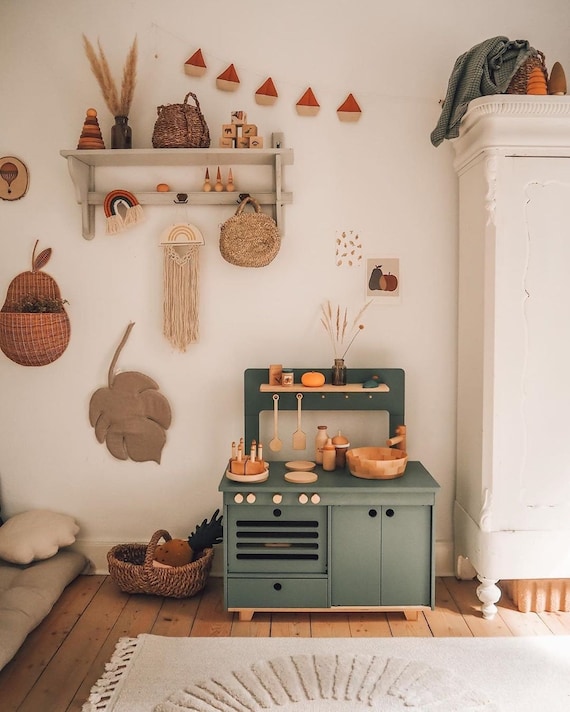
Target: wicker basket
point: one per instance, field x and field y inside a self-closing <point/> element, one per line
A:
<point x="519" y="81"/>
<point x="181" y="126"/>
<point x="34" y="339"/>
<point x="131" y="568"/>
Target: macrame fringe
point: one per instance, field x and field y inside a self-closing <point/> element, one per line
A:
<point x="114" y="224"/>
<point x="134" y="215"/>
<point x="180" y="304"/>
<point x="105" y="687"/>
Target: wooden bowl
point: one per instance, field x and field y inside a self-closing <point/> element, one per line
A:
<point x="376" y="463"/>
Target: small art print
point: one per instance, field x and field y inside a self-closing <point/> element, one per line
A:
<point x="383" y="279"/>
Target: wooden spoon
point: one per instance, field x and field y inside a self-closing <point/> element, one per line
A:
<point x="299" y="437"/>
<point x="275" y="444"/>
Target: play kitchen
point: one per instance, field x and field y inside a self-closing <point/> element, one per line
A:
<point x="349" y="527"/>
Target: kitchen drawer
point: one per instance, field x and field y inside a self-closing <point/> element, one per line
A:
<point x="277" y="592"/>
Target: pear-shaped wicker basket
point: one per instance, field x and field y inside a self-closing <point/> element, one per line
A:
<point x="131" y="568"/>
<point x="34" y="338"/>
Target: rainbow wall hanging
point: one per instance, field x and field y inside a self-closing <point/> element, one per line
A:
<point x="122" y="210"/>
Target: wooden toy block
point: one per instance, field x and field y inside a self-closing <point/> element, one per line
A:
<point x="226" y="142"/>
<point x="249" y="130"/>
<point x="242" y="142"/>
<point x="256" y="142"/>
<point x="229" y="130"/>
<point x="239" y="118"/>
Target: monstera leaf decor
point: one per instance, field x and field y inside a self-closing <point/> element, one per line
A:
<point x="130" y="414"/>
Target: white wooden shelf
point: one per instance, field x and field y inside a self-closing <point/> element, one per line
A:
<point x="82" y="165"/>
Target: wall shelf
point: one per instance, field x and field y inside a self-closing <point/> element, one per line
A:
<point x="83" y="164"/>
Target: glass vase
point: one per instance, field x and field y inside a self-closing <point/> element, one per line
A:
<point x="338" y="373"/>
<point x="121" y="133"/>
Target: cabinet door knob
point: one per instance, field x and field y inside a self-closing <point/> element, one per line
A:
<point x="390" y="512"/>
<point x="372" y="513"/>
<point x="277" y="586"/>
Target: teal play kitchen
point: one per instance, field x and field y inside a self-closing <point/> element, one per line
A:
<point x="358" y="538"/>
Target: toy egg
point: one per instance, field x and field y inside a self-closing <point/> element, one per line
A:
<point x="163" y="188"/>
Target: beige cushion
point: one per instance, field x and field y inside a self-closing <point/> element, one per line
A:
<point x="27" y="594"/>
<point x="35" y="534"/>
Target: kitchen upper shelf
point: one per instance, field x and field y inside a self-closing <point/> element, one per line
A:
<point x="82" y="165"/>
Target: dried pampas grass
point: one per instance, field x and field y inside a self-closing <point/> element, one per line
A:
<point x="118" y="104"/>
<point x="335" y="322"/>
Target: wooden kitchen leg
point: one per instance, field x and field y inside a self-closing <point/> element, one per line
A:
<point x="411" y="615"/>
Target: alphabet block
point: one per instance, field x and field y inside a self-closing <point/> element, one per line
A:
<point x="229" y="130"/>
<point x="226" y="142"/>
<point x="249" y="130"/>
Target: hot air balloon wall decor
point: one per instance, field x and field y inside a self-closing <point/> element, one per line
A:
<point x="34" y="326"/>
<point x="14" y="178"/>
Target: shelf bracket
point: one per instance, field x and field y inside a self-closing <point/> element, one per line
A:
<point x="83" y="177"/>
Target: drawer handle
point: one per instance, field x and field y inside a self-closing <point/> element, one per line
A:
<point x="277" y="586"/>
<point x="390" y="512"/>
<point x="372" y="513"/>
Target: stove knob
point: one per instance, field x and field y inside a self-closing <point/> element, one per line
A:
<point x="238" y="498"/>
<point x="315" y="498"/>
<point x="251" y="498"/>
<point x="303" y="499"/>
<point x="277" y="498"/>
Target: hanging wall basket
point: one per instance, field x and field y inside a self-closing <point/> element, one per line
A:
<point x="34" y="326"/>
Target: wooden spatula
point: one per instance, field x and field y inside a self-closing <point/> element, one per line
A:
<point x="275" y="444"/>
<point x="299" y="437"/>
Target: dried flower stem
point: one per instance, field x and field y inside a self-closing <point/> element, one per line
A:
<point x="337" y="328"/>
<point x="102" y="72"/>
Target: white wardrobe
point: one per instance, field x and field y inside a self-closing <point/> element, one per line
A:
<point x="512" y="505"/>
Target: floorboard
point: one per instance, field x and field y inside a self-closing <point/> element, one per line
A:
<point x="59" y="662"/>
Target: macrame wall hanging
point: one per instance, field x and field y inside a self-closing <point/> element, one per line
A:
<point x="181" y="243"/>
<point x="122" y="210"/>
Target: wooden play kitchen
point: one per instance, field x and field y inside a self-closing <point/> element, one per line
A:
<point x="329" y="541"/>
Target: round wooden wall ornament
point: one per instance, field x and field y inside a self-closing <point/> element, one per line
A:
<point x="14" y="178"/>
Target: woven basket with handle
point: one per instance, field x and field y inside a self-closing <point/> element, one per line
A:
<point x="131" y="568"/>
<point x="519" y="82"/>
<point x="181" y="126"/>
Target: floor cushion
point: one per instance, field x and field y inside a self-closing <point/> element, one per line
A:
<point x="28" y="593"/>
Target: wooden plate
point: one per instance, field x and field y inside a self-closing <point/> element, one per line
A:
<point x="300" y="465"/>
<point x="261" y="477"/>
<point x="300" y="478"/>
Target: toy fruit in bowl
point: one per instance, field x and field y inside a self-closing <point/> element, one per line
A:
<point x="376" y="463"/>
<point x="313" y="379"/>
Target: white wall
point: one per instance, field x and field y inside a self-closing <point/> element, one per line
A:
<point x="380" y="176"/>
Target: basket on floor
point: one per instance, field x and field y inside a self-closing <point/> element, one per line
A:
<point x="519" y="82"/>
<point x="131" y="568"/>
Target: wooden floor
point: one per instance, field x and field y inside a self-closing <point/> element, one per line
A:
<point x="59" y="662"/>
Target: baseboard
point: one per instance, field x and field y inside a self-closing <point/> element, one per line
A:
<point x="96" y="552"/>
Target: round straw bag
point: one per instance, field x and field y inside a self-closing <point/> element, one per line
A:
<point x="131" y="568"/>
<point x="249" y="239"/>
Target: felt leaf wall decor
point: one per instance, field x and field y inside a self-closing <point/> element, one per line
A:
<point x="130" y="414"/>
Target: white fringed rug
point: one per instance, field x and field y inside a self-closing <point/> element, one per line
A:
<point x="159" y="674"/>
